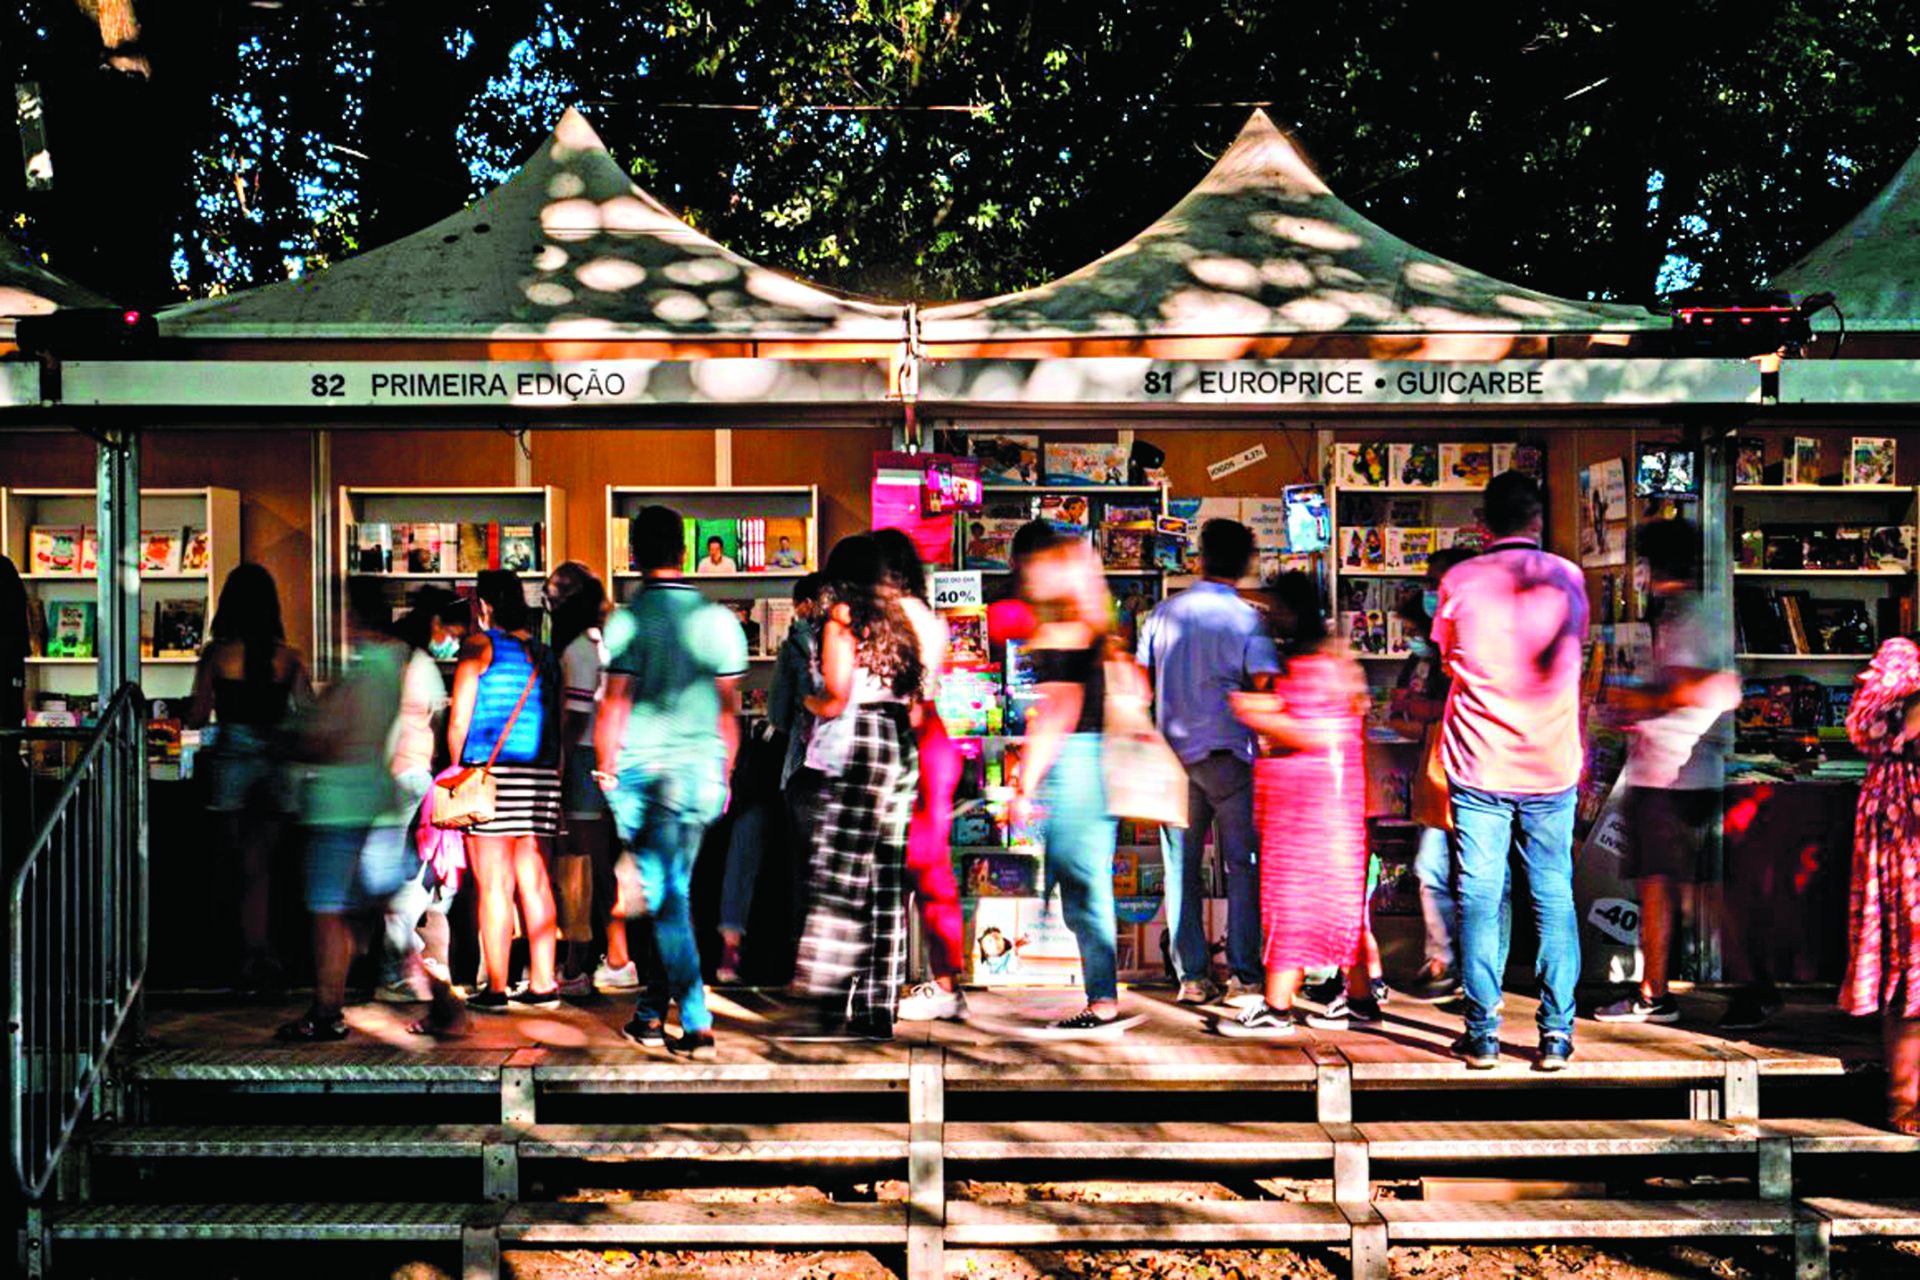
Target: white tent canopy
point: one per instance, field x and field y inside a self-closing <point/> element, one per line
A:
<point x="1872" y="265"/>
<point x="567" y="249"/>
<point x="29" y="289"/>
<point x="1263" y="248"/>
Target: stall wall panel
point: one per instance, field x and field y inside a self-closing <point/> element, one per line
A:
<point x="1289" y="460"/>
<point x="423" y="459"/>
<point x="272" y="472"/>
<point x="838" y="459"/>
<point x="584" y="463"/>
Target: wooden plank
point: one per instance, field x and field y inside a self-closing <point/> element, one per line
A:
<point x="1547" y="1139"/>
<point x="682" y="1225"/>
<point x="1459" y="1221"/>
<point x="1868" y="1217"/>
<point x="1161" y="1223"/>
<point x="1197" y="1141"/>
<point x="774" y="1142"/>
<point x="1128" y="1064"/>
<point x="782" y="1067"/>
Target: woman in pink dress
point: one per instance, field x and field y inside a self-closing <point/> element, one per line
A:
<point x="1883" y="971"/>
<point x="1309" y="804"/>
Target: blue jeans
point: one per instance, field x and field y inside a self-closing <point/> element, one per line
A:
<point x="1487" y="826"/>
<point x="661" y="817"/>
<point x="1440" y="905"/>
<point x="1079" y="841"/>
<point x="1219" y="796"/>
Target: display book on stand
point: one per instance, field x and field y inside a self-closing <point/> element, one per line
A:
<point x="1823" y="572"/>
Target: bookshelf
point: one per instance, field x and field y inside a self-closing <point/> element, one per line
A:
<point x="1007" y="506"/>
<point x="540" y="509"/>
<point x="173" y="511"/>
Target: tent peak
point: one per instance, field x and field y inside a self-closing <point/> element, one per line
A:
<point x="1262" y="152"/>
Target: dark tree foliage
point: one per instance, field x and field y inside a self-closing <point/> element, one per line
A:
<point x="947" y="148"/>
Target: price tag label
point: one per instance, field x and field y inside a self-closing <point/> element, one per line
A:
<point x="958" y="590"/>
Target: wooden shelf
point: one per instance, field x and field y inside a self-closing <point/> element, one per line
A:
<point x="1383" y="573"/>
<point x="1109" y="571"/>
<point x="1153" y="489"/>
<point x="190" y="576"/>
<point x="40" y="660"/>
<point x="746" y="576"/>
<point x="1804" y="657"/>
<point x="1842" y="489"/>
<point x="1404" y="491"/>
<point x="1822" y="573"/>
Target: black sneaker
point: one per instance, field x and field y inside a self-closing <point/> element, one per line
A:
<point x="1432" y="988"/>
<point x="1085" y="1025"/>
<point x="648" y="1033"/>
<point x="1481" y="1053"/>
<point x="549" y="999"/>
<point x="1324" y="993"/>
<point x="1379" y="990"/>
<point x="1364" y="1009"/>
<point x="488" y="1001"/>
<point x="1258" y="1022"/>
<point x="694" y="1046"/>
<point x="876" y="1024"/>
<point x="1748" y="1010"/>
<point x="1637" y="1008"/>
<point x="1332" y="1015"/>
<point x="1556" y="1051"/>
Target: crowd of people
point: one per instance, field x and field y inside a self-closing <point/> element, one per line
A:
<point x="613" y="745"/>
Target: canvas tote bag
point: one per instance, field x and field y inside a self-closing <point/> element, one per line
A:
<point x="464" y="798"/>
<point x="1145" y="780"/>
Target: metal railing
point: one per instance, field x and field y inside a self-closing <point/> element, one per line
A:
<point x="77" y="930"/>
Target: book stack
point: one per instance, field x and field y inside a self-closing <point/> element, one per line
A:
<point x="1793" y="622"/>
<point x="1813" y="546"/>
<point x="1395" y="536"/>
<point x="1420" y="464"/>
<point x="722" y="546"/>
<point x="445" y="548"/>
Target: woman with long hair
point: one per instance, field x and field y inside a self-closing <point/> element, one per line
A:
<point x="506" y="712"/>
<point x="249" y="680"/>
<point x="929" y="855"/>
<point x="1073" y="654"/>
<point x="1309" y="804"/>
<point x="583" y="866"/>
<point x="853" y="951"/>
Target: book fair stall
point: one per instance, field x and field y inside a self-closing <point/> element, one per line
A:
<point x="507" y="387"/>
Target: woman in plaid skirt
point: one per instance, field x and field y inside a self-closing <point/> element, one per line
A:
<point x="853" y="950"/>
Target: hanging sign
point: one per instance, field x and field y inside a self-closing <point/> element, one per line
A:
<point x="1850" y="381"/>
<point x="1238" y="462"/>
<point x="557" y="384"/>
<point x="19" y="384"/>
<point x="962" y="590"/>
<point x="1332" y="383"/>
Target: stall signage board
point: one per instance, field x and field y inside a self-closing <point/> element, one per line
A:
<point x="558" y="384"/>
<point x="19" y="384"/>
<point x="1850" y="382"/>
<point x="958" y="590"/>
<point x="1342" y="383"/>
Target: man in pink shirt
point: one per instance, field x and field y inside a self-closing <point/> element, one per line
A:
<point x="1509" y="628"/>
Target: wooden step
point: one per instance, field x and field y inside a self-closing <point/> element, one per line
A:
<point x="1838" y="1137"/>
<point x="406" y="1222"/>
<point x="335" y="1070"/>
<point x="1544" y="1139"/>
<point x="858" y="1141"/>
<point x="1104" y="1140"/>
<point x="809" y="1068"/>
<point x="1049" y="1222"/>
<point x="680" y="1225"/>
<point x="302" y="1141"/>
<point x="1464" y="1221"/>
<point x="1867" y="1217"/>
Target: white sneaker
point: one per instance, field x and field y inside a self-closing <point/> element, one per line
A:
<point x="1241" y="995"/>
<point x="1195" y="993"/>
<point x="625" y="978"/>
<point x="930" y="1002"/>
<point x="579" y="984"/>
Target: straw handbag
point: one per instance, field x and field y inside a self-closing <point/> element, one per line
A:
<point x="465" y="798"/>
<point x="1145" y="780"/>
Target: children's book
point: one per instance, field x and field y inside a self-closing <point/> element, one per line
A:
<point x="70" y="628"/>
<point x="1007" y="457"/>
<point x="53" y="549"/>
<point x="179" y="628"/>
<point x="1070" y="462"/>
<point x="159" y="551"/>
<point x="1870" y="461"/>
<point x="1415" y="465"/>
<point x="196" y="551"/>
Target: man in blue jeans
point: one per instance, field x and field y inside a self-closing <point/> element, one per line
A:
<point x="1509" y="628"/>
<point x="669" y="727"/>
<point x="1200" y="646"/>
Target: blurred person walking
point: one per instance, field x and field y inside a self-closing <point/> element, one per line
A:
<point x="1309" y="802"/>
<point x="666" y="739"/>
<point x="1063" y="773"/>
<point x="1510" y="628"/>
<point x="853" y="950"/>
<point x="506" y="710"/>
<point x="1200" y="648"/>
<point x="348" y="788"/>
<point x="1676" y="757"/>
<point x="1883" y="909"/>
<point x="796" y="676"/>
<point x="929" y="851"/>
<point x="249" y="681"/>
<point x="584" y="890"/>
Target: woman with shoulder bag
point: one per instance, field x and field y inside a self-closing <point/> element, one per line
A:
<point x="505" y="723"/>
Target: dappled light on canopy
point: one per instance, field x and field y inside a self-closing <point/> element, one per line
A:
<point x="1262" y="248"/>
<point x="1871" y="265"/>
<point x="567" y="250"/>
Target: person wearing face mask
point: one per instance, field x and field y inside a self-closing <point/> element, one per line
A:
<point x="1419" y="698"/>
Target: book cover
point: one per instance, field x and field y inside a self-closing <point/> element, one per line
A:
<point x="159" y="551"/>
<point x="753" y="544"/>
<point x="1125" y="549"/>
<point x="1891" y="547"/>
<point x="1357" y="595"/>
<point x="1116" y="516"/>
<point x="179" y="628"/>
<point x="1169" y="553"/>
<point x="776" y="620"/>
<point x="1802" y="463"/>
<point x="1409" y="549"/>
<point x="53" y="549"/>
<point x="1363" y="464"/>
<point x="1870" y="460"/>
<point x="620" y="544"/>
<point x="1416" y="465"/>
<point x="745" y="611"/>
<point x="470" y="553"/>
<point x="690" y="540"/>
<point x="1067" y="512"/>
<point x="1465" y="466"/>
<point x="89" y="549"/>
<point x="1749" y="460"/>
<point x="196" y="551"/>
<point x="716" y="546"/>
<point x="1528" y="460"/>
<point x="36" y="626"/>
<point x="70" y="628"/>
<point x="423" y="547"/>
<point x="989" y="542"/>
<point x="1363" y="548"/>
<point x="1007" y="457"/>
<point x="373" y="548"/>
<point x="1071" y="462"/>
<point x="787" y="542"/>
<point x="520" y="547"/>
<point x="967" y="637"/>
<point x="1266" y="519"/>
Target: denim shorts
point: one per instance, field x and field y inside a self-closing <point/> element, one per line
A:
<point x="340" y="874"/>
<point x="242" y="775"/>
<point x="581" y="796"/>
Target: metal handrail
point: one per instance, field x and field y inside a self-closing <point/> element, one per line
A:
<point x="77" y="938"/>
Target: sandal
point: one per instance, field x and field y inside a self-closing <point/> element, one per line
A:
<point x="308" y="1029"/>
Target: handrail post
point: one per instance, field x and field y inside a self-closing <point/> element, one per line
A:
<point x="117" y="511"/>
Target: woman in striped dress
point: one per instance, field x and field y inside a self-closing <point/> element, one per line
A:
<point x="853" y="951"/>
<point x="1309" y="804"/>
<point x="501" y="665"/>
